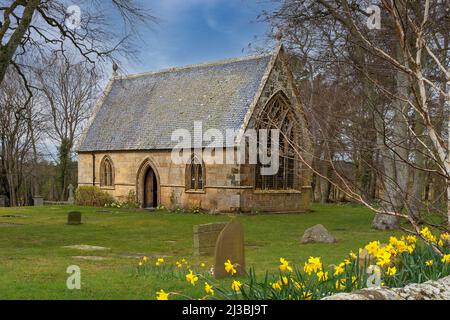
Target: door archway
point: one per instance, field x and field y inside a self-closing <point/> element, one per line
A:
<point x="148" y="185"/>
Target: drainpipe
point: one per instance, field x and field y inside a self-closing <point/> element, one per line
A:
<point x="93" y="169"/>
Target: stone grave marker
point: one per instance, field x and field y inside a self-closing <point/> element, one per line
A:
<point x="38" y="201"/>
<point x="71" y="199"/>
<point x="205" y="237"/>
<point x="74" y="218"/>
<point x="230" y="246"/>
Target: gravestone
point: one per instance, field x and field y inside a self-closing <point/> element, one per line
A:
<point x="2" y="201"/>
<point x="71" y="198"/>
<point x="38" y="201"/>
<point x="230" y="246"/>
<point x="205" y="237"/>
<point x="74" y="218"/>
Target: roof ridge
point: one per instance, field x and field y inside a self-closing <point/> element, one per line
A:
<point x="192" y="66"/>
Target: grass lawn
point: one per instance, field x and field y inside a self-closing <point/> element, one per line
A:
<point x="33" y="261"/>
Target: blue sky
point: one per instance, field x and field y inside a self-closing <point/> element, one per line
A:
<point x="196" y="31"/>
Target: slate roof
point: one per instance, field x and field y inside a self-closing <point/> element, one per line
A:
<point x="140" y="112"/>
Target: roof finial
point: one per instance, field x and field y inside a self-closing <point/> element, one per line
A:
<point x="279" y="36"/>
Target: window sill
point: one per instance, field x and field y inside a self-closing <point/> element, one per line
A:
<point x="107" y="188"/>
<point x="290" y="191"/>
<point x="195" y="191"/>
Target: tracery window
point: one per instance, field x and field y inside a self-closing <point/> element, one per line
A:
<point x="278" y="115"/>
<point x="106" y="172"/>
<point x="195" y="175"/>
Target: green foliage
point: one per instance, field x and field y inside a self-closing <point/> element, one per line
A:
<point x="92" y="196"/>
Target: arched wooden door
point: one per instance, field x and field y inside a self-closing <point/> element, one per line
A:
<point x="150" y="189"/>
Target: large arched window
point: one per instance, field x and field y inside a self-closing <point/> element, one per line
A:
<point x="106" y="172"/>
<point x="195" y="175"/>
<point x="278" y="114"/>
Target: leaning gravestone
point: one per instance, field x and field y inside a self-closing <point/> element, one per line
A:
<point x="230" y="246"/>
<point x="205" y="237"/>
<point x="74" y="218"/>
<point x="317" y="234"/>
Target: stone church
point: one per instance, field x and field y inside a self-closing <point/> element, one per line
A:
<point x="127" y="145"/>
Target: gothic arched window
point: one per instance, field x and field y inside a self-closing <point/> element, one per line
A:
<point x="106" y="172"/>
<point x="278" y="115"/>
<point x="195" y="175"/>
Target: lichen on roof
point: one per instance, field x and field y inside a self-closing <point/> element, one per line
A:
<point x="141" y="112"/>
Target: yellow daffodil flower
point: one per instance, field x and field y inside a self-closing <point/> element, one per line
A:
<point x="314" y="264"/>
<point x="339" y="269"/>
<point x="191" y="278"/>
<point x="426" y="233"/>
<point x="446" y="258"/>
<point x="391" y="271"/>
<point x="340" y="284"/>
<point x="209" y="289"/>
<point x="285" y="265"/>
<point x="322" y="276"/>
<point x="373" y="247"/>
<point x="236" y="286"/>
<point x="161" y="295"/>
<point x="229" y="267"/>
<point x="429" y="263"/>
<point x="276" y="286"/>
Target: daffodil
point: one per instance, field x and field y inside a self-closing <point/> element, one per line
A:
<point x="236" y="286"/>
<point x="144" y="259"/>
<point x="373" y="247"/>
<point x="383" y="258"/>
<point x="140" y="263"/>
<point x="411" y="239"/>
<point x="446" y="258"/>
<point x="429" y="263"/>
<point x="353" y="255"/>
<point x="229" y="267"/>
<point x="297" y="285"/>
<point x="307" y="295"/>
<point x="202" y="265"/>
<point x="314" y="264"/>
<point x="179" y="264"/>
<point x="276" y="286"/>
<point x="391" y="271"/>
<point x="322" y="276"/>
<point x="340" y="284"/>
<point x="161" y="295"/>
<point x="445" y="236"/>
<point x="339" y="269"/>
<point x="191" y="278"/>
<point x="209" y="289"/>
<point x="426" y="233"/>
<point x="285" y="265"/>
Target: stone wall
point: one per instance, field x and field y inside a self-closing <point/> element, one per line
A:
<point x="430" y="290"/>
<point x="205" y="237"/>
<point x="225" y="190"/>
